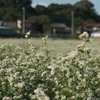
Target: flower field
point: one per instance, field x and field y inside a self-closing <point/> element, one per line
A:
<point x="34" y="69"/>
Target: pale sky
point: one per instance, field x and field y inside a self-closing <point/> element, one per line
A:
<point x="47" y="2"/>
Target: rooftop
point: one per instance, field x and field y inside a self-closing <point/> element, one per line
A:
<point x="60" y="25"/>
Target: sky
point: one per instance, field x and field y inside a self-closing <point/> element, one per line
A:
<point x="48" y="2"/>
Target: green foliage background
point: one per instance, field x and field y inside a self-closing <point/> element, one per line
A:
<point x="84" y="13"/>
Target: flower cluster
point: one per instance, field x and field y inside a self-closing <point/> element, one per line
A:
<point x="36" y="74"/>
<point x="27" y="34"/>
<point x="84" y="35"/>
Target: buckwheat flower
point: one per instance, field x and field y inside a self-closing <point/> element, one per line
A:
<point x="3" y="46"/>
<point x="78" y="74"/>
<point x="98" y="89"/>
<point x="91" y="98"/>
<point x="38" y="90"/>
<point x="99" y="75"/>
<point x="70" y="82"/>
<point x="40" y="95"/>
<point x="15" y="74"/>
<point x="31" y="78"/>
<point x="26" y="36"/>
<point x="30" y="42"/>
<point x="11" y="83"/>
<point x="73" y="54"/>
<point x="81" y="46"/>
<point x="28" y="33"/>
<point x="68" y="74"/>
<point x="20" y="85"/>
<point x="82" y="94"/>
<point x="2" y="70"/>
<point x="6" y="98"/>
<point x="52" y="67"/>
<point x="63" y="97"/>
<point x="74" y="98"/>
<point x="17" y="97"/>
<point x="89" y="92"/>
<point x="52" y="71"/>
<point x="86" y="75"/>
<point x="33" y="97"/>
<point x="40" y="55"/>
<point x="84" y="35"/>
<point x="57" y="96"/>
<point x="81" y="64"/>
<point x="77" y="95"/>
<point x="44" y="39"/>
<point x="77" y="87"/>
<point x="87" y="49"/>
<point x="10" y="79"/>
<point x="84" y="80"/>
<point x="31" y="70"/>
<point x="44" y="73"/>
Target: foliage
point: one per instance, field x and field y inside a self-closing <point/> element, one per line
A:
<point x="40" y="9"/>
<point x="12" y="9"/>
<point x="61" y="13"/>
<point x="43" y="23"/>
<point x="84" y="4"/>
<point x="35" y="74"/>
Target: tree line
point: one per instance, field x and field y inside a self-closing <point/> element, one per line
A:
<point x="84" y="13"/>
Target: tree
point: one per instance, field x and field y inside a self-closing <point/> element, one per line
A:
<point x="53" y="7"/>
<point x="13" y="9"/>
<point x="84" y="4"/>
<point x="43" y="23"/>
<point x="41" y="9"/>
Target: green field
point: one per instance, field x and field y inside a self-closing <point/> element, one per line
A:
<point x="48" y="69"/>
<point x="59" y="47"/>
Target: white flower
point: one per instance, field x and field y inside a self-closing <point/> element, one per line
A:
<point x="44" y="73"/>
<point x="63" y="98"/>
<point x="84" y="35"/>
<point x="80" y="46"/>
<point x="70" y="82"/>
<point x="44" y="39"/>
<point x="40" y="55"/>
<point x="73" y="54"/>
<point x="28" y="33"/>
<point x="26" y="36"/>
<point x="6" y="98"/>
<point x="86" y="49"/>
<point x="38" y="91"/>
<point x="78" y="74"/>
<point x="17" y="97"/>
<point x="40" y="95"/>
<point x="74" y="98"/>
<point x="91" y="98"/>
<point x="20" y="85"/>
<point x="99" y="75"/>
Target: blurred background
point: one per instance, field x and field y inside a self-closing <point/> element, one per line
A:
<point x="58" y="19"/>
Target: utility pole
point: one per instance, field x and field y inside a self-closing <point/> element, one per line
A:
<point x="23" y="19"/>
<point x="72" y="23"/>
